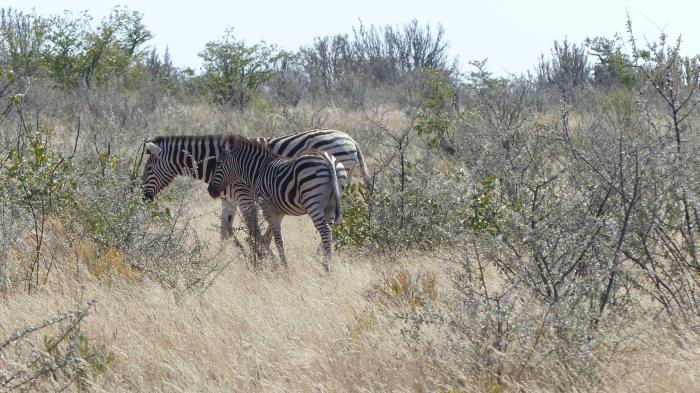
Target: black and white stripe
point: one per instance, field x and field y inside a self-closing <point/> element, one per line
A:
<point x="335" y="142"/>
<point x="307" y="184"/>
<point x="190" y="155"/>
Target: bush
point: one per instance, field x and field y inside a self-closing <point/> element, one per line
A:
<point x="66" y="355"/>
<point x="373" y="57"/>
<point x="149" y="237"/>
<point x="95" y="201"/>
<point x="22" y="41"/>
<point x="77" y="54"/>
<point x="567" y="70"/>
<point x="109" y="207"/>
<point x="430" y="211"/>
<point x="35" y="182"/>
<point x="438" y="116"/>
<point x="354" y="231"/>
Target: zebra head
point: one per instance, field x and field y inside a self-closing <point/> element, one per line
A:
<point x="224" y="174"/>
<point x="157" y="173"/>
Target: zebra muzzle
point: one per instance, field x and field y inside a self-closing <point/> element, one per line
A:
<point x="214" y="190"/>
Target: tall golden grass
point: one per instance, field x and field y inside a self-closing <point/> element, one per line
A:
<point x="300" y="329"/>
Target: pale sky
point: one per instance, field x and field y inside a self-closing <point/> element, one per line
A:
<point x="510" y="33"/>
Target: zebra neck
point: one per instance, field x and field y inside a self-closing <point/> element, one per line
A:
<point x="253" y="163"/>
<point x="194" y="156"/>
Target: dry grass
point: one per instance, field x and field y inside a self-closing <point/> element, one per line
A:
<point x="661" y="360"/>
<point x="295" y="330"/>
<point x="275" y="331"/>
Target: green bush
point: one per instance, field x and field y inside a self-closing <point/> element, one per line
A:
<point x="433" y="209"/>
<point x="354" y="231"/>
<point x="110" y="211"/>
<point x="35" y="174"/>
<point x="96" y="201"/>
<point x="35" y="182"/>
<point x="437" y="118"/>
<point x="614" y="67"/>
<point x="78" y="54"/>
<point x="484" y="215"/>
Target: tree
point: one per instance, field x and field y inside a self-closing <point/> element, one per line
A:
<point x="567" y="70"/>
<point x="22" y="39"/>
<point x="375" y="56"/>
<point x="438" y="115"/>
<point x="115" y="45"/>
<point x="76" y="53"/>
<point x="233" y="71"/>
<point x="614" y="65"/>
<point x="65" y="47"/>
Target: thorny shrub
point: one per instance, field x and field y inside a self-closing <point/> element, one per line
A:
<point x="424" y="211"/>
<point x="435" y="208"/>
<point x="90" y="205"/>
<point x="52" y="355"/>
<point x="149" y="237"/>
<point x="577" y="226"/>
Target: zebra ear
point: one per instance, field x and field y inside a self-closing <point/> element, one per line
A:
<point x="153" y="148"/>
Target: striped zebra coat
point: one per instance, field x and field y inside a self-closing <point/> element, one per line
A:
<point x="195" y="156"/>
<point x="306" y="184"/>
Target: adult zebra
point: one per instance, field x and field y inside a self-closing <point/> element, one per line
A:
<point x="306" y="184"/>
<point x="191" y="155"/>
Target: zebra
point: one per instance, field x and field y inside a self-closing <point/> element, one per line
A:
<point x="170" y="156"/>
<point x="306" y="184"/>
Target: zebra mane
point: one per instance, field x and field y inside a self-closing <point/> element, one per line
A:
<point x="232" y="141"/>
<point x="168" y="139"/>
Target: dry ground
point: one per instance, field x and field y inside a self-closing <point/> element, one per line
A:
<point x="296" y="330"/>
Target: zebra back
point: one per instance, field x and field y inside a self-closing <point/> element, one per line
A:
<point x="196" y="155"/>
<point x="335" y="142"/>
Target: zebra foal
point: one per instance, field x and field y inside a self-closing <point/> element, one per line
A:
<point x="307" y="184"/>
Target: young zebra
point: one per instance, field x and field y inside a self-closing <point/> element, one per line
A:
<point x="171" y="156"/>
<point x="307" y="184"/>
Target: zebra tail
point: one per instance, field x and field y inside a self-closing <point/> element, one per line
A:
<point x="365" y="174"/>
<point x="369" y="183"/>
<point x="336" y="187"/>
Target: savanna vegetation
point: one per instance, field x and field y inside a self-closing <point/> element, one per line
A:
<point x="538" y="232"/>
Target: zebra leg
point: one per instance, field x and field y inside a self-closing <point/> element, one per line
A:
<point x="326" y="237"/>
<point x="274" y="221"/>
<point x="329" y="217"/>
<point x="320" y="249"/>
<point x="267" y="238"/>
<point x="228" y="212"/>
